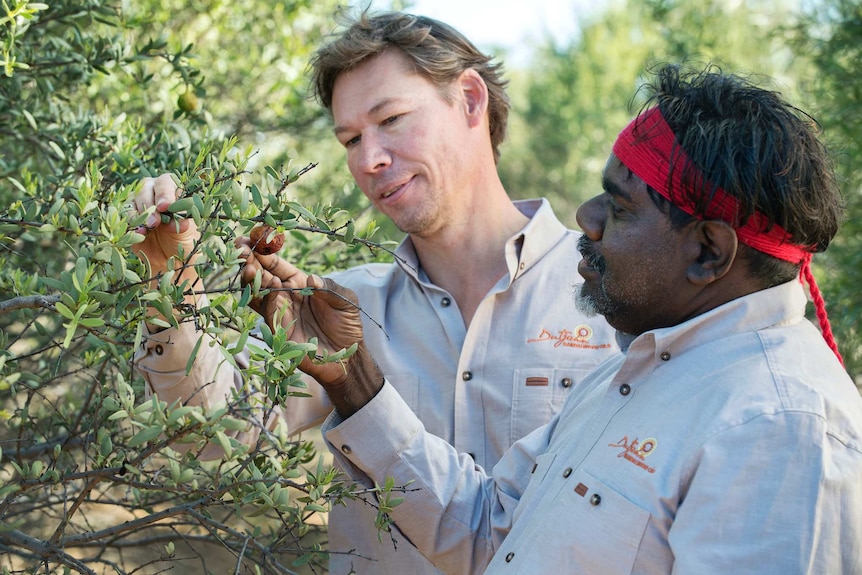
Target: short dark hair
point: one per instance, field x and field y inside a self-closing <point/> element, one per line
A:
<point x="436" y="50"/>
<point x="758" y="148"/>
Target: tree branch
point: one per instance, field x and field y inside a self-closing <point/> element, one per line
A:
<point x="29" y="302"/>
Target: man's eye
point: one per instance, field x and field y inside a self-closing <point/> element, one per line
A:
<point x="391" y="119"/>
<point x="351" y="142"/>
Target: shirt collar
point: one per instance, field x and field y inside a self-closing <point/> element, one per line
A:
<point x="783" y="304"/>
<point x="523" y="250"/>
<point x="537" y="238"/>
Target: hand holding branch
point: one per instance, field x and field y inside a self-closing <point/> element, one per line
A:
<point x="330" y="313"/>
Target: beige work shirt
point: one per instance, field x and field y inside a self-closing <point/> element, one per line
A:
<point x="481" y="389"/>
<point x="730" y="443"/>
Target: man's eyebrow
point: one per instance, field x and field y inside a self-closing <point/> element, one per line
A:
<point x="615" y="190"/>
<point x="373" y="110"/>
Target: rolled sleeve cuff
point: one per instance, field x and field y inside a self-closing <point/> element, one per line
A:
<point x="370" y="440"/>
<point x="162" y="360"/>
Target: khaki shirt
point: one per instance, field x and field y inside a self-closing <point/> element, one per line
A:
<point x="481" y="389"/>
<point x="731" y="443"/>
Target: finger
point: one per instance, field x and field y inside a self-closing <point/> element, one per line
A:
<point x="317" y="282"/>
<point x="289" y="275"/>
<point x="144" y="198"/>
<point x="165" y="192"/>
<point x="143" y="202"/>
<point x="254" y="265"/>
<point x="179" y="228"/>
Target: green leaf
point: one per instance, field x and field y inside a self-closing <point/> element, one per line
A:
<point x="64" y="311"/>
<point x="272" y="173"/>
<point x="181" y="206"/>
<point x="30" y="119"/>
<point x="145" y="435"/>
<point x="224" y="442"/>
<point x="193" y="355"/>
<point x="121" y="414"/>
<point x="349" y="233"/>
<point x="57" y="149"/>
<point x="301" y="210"/>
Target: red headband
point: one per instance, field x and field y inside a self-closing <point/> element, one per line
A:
<point x="647" y="145"/>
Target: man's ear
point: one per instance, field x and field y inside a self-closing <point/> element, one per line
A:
<point x="475" y="93"/>
<point x="716" y="245"/>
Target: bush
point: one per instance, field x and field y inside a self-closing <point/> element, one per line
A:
<point x="92" y="478"/>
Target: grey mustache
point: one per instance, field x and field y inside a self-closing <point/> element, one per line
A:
<point x="588" y="250"/>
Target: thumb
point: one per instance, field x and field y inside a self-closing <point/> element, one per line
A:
<point x="334" y="294"/>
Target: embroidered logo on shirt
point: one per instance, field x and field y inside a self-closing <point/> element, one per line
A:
<point x="636" y="451"/>
<point x="579" y="337"/>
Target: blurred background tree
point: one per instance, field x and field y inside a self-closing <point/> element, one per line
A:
<point x="96" y="94"/>
<point x="829" y="34"/>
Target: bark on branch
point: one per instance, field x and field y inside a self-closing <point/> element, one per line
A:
<point x="28" y="302"/>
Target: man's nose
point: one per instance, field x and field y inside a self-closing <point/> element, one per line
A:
<point x="590" y="218"/>
<point x="373" y="154"/>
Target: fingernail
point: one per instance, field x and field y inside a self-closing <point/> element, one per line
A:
<point x="152" y="219"/>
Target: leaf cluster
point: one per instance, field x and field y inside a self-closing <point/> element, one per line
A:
<point x="94" y="477"/>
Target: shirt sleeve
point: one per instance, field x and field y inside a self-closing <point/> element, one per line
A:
<point x="162" y="361"/>
<point x="454" y="512"/>
<point x="778" y="494"/>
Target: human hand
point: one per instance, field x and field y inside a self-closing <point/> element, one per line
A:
<point x="330" y="313"/>
<point x="163" y="241"/>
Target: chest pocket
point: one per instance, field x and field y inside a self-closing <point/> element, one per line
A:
<point x="538" y="395"/>
<point x="587" y="527"/>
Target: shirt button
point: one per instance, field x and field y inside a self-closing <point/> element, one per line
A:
<point x="509" y="557"/>
<point x="625" y="389"/>
<point x="467" y="375"/>
<point x="445" y="302"/>
<point x="665" y="355"/>
<point x="346" y="449"/>
<point x="595" y="500"/>
<point x="522" y="266"/>
<point x="566" y="382"/>
<point x="159" y="350"/>
<point x="567" y="472"/>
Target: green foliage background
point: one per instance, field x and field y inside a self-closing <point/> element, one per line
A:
<point x="93" y="478"/>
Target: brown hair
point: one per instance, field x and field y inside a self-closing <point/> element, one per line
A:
<point x="436" y="50"/>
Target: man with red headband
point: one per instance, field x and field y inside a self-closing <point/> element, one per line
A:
<point x="725" y="438"/>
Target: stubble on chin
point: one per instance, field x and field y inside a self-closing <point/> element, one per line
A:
<point x="584" y="302"/>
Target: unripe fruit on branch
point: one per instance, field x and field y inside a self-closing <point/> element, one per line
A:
<point x="265" y="241"/>
<point x="187" y="102"/>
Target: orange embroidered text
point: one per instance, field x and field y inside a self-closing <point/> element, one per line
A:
<point x="635" y="451"/>
<point x="579" y="337"/>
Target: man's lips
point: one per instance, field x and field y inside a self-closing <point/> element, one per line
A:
<point x="390" y="192"/>
<point x="586" y="269"/>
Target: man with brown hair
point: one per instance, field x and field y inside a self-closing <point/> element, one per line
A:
<point x="477" y="329"/>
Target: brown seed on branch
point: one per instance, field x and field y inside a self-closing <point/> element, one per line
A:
<point x="265" y="241"/>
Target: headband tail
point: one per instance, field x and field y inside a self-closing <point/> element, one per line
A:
<point x="820" y="308"/>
